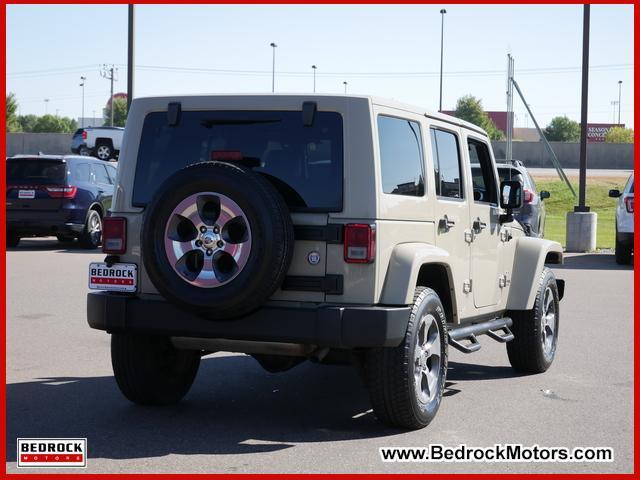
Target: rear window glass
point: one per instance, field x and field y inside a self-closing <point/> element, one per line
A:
<point x="303" y="162"/>
<point x="36" y="171"/>
<point x="513" y="174"/>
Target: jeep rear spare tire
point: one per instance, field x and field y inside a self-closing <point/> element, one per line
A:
<point x="217" y="238"/>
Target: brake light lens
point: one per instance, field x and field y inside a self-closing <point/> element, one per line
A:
<point x="528" y="196"/>
<point x="359" y="243"/>
<point x="84" y="134"/>
<point x="226" y="155"/>
<point x="628" y="203"/>
<point x="62" y="192"/>
<point x="114" y="235"/>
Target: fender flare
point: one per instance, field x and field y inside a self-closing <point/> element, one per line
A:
<point x="404" y="267"/>
<point x="531" y="255"/>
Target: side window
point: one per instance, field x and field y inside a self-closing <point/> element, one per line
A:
<point x="446" y="164"/>
<point x="81" y="172"/>
<point x="484" y="182"/>
<point x="101" y="174"/>
<point x="112" y="173"/>
<point x="401" y="158"/>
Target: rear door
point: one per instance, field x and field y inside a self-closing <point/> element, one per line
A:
<point x="104" y="184"/>
<point x="32" y="184"/>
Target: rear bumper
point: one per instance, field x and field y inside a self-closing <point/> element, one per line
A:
<point x="337" y="327"/>
<point x="63" y="221"/>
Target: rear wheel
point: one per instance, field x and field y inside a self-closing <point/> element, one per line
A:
<point x="84" y="151"/>
<point x="92" y="234"/>
<point x="406" y="382"/>
<point x="149" y="370"/>
<point x="104" y="151"/>
<point x="13" y="239"/>
<point x="535" y="331"/>
<point x="623" y="252"/>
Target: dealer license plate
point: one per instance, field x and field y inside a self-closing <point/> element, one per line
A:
<point x="119" y="277"/>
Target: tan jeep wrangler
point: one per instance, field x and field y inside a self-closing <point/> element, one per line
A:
<point x="324" y="227"/>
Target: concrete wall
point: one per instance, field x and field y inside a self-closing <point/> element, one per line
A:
<point x="533" y="154"/>
<point x="30" y="143"/>
<point x="599" y="155"/>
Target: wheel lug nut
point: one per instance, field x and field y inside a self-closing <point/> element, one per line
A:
<point x="209" y="252"/>
<point x="220" y="244"/>
<point x="203" y="229"/>
<point x="216" y="229"/>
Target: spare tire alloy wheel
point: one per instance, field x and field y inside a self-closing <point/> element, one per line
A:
<point x="207" y="239"/>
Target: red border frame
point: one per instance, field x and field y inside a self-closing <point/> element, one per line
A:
<point x="3" y="266"/>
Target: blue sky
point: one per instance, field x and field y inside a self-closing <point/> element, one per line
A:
<point x="389" y="51"/>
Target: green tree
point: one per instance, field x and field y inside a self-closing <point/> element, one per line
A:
<point x="469" y="108"/>
<point x="28" y="122"/>
<point x="12" y="118"/>
<point x="119" y="113"/>
<point x="562" y="129"/>
<point x="53" y="124"/>
<point x="619" y="135"/>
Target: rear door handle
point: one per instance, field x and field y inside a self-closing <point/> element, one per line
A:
<point x="479" y="225"/>
<point x="445" y="224"/>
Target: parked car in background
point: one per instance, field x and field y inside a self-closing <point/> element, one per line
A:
<point x="101" y="142"/>
<point x="624" y="222"/>
<point x="532" y="214"/>
<point x="66" y="196"/>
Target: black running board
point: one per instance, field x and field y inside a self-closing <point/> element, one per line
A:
<point x="469" y="332"/>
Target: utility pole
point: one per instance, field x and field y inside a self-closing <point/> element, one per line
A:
<point x="130" y="58"/>
<point x="314" y="77"/>
<point x="82" y="79"/>
<point x="619" y="99"/>
<point x="442" y="12"/>
<point x="109" y="72"/>
<point x="273" y="67"/>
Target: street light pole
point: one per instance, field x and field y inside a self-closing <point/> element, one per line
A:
<point x="314" y="77"/>
<point x="82" y="79"/>
<point x="619" y="99"/>
<point x="442" y="12"/>
<point x="345" y="87"/>
<point x="46" y="106"/>
<point x="273" y="68"/>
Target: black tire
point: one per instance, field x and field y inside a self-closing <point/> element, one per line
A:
<point x="84" y="151"/>
<point x="623" y="252"/>
<point x="103" y="151"/>
<point x="528" y="351"/>
<point x="150" y="371"/>
<point x="391" y="372"/>
<point x="90" y="238"/>
<point x="271" y="240"/>
<point x="13" y="239"/>
<point x="65" y="238"/>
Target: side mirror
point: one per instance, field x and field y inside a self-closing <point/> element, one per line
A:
<point x="615" y="193"/>
<point x="544" y="194"/>
<point x="510" y="198"/>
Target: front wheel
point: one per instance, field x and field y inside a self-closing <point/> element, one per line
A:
<point x="406" y="382"/>
<point x="104" y="152"/>
<point x="623" y="252"/>
<point x="535" y="331"/>
<point x="149" y="370"/>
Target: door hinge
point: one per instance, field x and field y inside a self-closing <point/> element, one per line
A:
<point x="504" y="280"/>
<point x="505" y="235"/>
<point x="469" y="236"/>
<point x="467" y="286"/>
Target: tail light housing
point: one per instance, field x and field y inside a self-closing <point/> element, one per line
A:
<point x="528" y="196"/>
<point x="62" y="192"/>
<point x="114" y="235"/>
<point x="628" y="203"/>
<point x="359" y="243"/>
<point x="84" y="134"/>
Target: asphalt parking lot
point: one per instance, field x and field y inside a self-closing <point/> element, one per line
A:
<point x="240" y="419"/>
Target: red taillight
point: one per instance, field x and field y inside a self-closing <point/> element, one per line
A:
<point x="628" y="202"/>
<point x="114" y="235"/>
<point x="226" y="155"/>
<point x="62" y="192"/>
<point x="84" y="134"/>
<point x="359" y="243"/>
<point x="528" y="196"/>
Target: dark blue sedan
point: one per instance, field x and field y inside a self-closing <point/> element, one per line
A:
<point x="53" y="195"/>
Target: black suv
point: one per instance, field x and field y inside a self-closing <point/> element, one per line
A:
<point x="66" y="196"/>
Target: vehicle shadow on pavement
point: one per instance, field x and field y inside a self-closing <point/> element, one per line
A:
<point x="234" y="407"/>
<point x="591" y="261"/>
<point x="460" y="372"/>
<point x="51" y="245"/>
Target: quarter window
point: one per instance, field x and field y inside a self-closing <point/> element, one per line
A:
<point x="446" y="164"/>
<point x="401" y="156"/>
